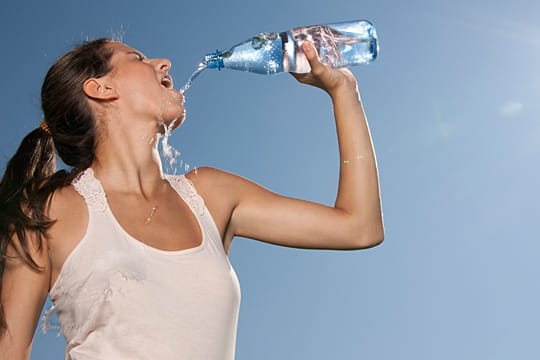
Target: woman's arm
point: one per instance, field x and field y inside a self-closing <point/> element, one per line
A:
<point x="24" y="292"/>
<point x="242" y="208"/>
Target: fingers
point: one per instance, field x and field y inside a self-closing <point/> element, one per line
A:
<point x="317" y="67"/>
<point x="320" y="76"/>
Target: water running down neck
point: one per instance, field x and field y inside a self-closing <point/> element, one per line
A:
<point x="169" y="153"/>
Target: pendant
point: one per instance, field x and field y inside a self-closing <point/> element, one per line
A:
<point x="149" y="218"/>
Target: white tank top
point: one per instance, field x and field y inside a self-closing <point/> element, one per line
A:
<point x="117" y="298"/>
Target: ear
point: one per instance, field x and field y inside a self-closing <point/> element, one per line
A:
<point x="98" y="89"/>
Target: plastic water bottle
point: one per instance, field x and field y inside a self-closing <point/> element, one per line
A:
<point x="341" y="44"/>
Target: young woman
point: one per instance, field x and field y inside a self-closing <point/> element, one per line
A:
<point x="135" y="261"/>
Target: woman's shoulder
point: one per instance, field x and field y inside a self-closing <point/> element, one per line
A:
<point x="215" y="185"/>
<point x="210" y="180"/>
<point x="66" y="200"/>
<point x="69" y="213"/>
<point x="204" y="171"/>
<point x="219" y="184"/>
<point x="211" y="176"/>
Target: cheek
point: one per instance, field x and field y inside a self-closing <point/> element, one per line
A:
<point x="140" y="99"/>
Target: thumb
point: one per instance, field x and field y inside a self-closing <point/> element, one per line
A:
<point x="311" y="54"/>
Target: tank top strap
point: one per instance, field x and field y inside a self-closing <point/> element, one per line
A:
<point x="185" y="188"/>
<point x="91" y="190"/>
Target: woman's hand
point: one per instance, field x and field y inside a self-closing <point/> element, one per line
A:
<point x="324" y="77"/>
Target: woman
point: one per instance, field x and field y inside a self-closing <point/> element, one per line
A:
<point x="136" y="261"/>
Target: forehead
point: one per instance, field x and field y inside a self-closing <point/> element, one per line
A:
<point x="120" y="48"/>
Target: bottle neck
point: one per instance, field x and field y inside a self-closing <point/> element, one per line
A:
<point x="214" y="60"/>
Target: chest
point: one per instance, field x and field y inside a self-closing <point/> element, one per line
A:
<point x="166" y="223"/>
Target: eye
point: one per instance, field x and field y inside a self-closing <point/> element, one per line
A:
<point x="139" y="56"/>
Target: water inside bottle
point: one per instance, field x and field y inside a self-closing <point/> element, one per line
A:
<point x="336" y="47"/>
<point x="200" y="69"/>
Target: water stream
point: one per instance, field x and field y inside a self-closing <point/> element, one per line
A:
<point x="200" y="69"/>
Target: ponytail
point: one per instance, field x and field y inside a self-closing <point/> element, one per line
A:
<point x="33" y="162"/>
<point x="21" y="204"/>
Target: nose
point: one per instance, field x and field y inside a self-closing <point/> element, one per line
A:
<point x="163" y="64"/>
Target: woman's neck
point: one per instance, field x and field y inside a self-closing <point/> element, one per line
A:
<point x="129" y="161"/>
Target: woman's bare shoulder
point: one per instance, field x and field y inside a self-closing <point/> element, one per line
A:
<point x="66" y="201"/>
<point x="68" y="210"/>
<point x="206" y="176"/>
<point x="205" y="172"/>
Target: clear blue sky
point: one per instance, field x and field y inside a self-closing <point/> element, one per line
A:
<point x="453" y="103"/>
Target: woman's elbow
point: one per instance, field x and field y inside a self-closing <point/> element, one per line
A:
<point x="374" y="239"/>
<point x="367" y="238"/>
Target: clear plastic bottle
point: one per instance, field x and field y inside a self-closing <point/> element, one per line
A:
<point x="341" y="44"/>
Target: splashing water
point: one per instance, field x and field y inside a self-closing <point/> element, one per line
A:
<point x="169" y="153"/>
<point x="200" y="69"/>
<point x="47" y="323"/>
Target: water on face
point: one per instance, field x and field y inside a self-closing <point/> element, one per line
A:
<point x="200" y="68"/>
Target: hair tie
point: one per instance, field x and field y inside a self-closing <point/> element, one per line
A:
<point x="43" y="125"/>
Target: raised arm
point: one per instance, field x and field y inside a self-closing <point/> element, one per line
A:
<point x="357" y="207"/>
<point x="243" y="208"/>
<point x="24" y="291"/>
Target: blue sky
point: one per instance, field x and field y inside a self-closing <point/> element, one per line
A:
<point x="453" y="105"/>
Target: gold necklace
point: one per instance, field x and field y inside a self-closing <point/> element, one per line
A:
<point x="149" y="218"/>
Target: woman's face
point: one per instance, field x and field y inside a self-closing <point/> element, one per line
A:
<point x="144" y="86"/>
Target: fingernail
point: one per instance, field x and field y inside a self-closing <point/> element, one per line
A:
<point x="308" y="50"/>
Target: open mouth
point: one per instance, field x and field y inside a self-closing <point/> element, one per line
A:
<point x="166" y="81"/>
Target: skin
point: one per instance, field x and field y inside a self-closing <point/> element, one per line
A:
<point x="130" y="104"/>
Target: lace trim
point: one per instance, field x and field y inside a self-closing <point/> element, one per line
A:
<point x="90" y="188"/>
<point x="188" y="192"/>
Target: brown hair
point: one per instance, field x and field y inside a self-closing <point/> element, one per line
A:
<point x="30" y="177"/>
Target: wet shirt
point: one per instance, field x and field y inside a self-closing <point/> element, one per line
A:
<point x="117" y="298"/>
